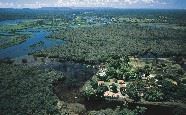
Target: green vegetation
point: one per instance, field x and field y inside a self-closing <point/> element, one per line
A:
<point x="119" y="111"/>
<point x="132" y="91"/>
<point x="104" y="38"/>
<point x="123" y="34"/>
<point x="29" y="90"/>
<point x="26" y="90"/>
<point x="154" y="83"/>
<point x="98" y="43"/>
<point x="13" y="28"/>
<point x="13" y="34"/>
<point x="113" y="88"/>
<point x="154" y="94"/>
<point x="12" y="40"/>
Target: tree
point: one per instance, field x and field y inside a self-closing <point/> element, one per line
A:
<point x="159" y="77"/>
<point x="118" y="111"/>
<point x="102" y="78"/>
<point x="132" y="91"/>
<point x="126" y="112"/>
<point x="13" y="31"/>
<point x="111" y="73"/>
<point x="123" y="91"/>
<point x="88" y="91"/>
<point x="119" y="74"/>
<point x="140" y="72"/>
<point x="113" y="88"/>
<point x="147" y="70"/>
<point x="94" y="84"/>
<point x="127" y="72"/>
<point x="140" y="110"/>
<point x="131" y="75"/>
<point x="181" y="92"/>
<point x="168" y="88"/>
<point x="153" y="94"/>
<point x="125" y="59"/>
<point x="115" y="64"/>
<point x="101" y="90"/>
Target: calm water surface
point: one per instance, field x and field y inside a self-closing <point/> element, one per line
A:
<point x="37" y="36"/>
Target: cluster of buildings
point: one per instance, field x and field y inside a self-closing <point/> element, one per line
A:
<point x="91" y="20"/>
<point x="120" y="84"/>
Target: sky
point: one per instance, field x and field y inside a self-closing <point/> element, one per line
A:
<point x="155" y="4"/>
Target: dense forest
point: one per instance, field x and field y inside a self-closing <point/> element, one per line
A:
<point x="92" y="61"/>
<point x="98" y="43"/>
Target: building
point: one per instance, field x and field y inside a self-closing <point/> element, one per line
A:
<point x="101" y="83"/>
<point x="121" y="81"/>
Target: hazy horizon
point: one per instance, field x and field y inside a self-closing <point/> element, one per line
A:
<point x="124" y="4"/>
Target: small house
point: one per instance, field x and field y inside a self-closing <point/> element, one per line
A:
<point x="111" y="80"/>
<point x="121" y="81"/>
<point x="122" y="85"/>
<point x="101" y="83"/>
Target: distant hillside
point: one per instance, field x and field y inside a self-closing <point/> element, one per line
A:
<point x="55" y="8"/>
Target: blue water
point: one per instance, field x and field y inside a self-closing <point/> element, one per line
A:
<point x="13" y="22"/>
<point x="38" y="35"/>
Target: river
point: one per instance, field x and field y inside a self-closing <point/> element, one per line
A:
<point x="38" y="40"/>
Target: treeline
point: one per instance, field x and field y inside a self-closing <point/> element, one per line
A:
<point x="172" y="16"/>
<point x="26" y="13"/>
